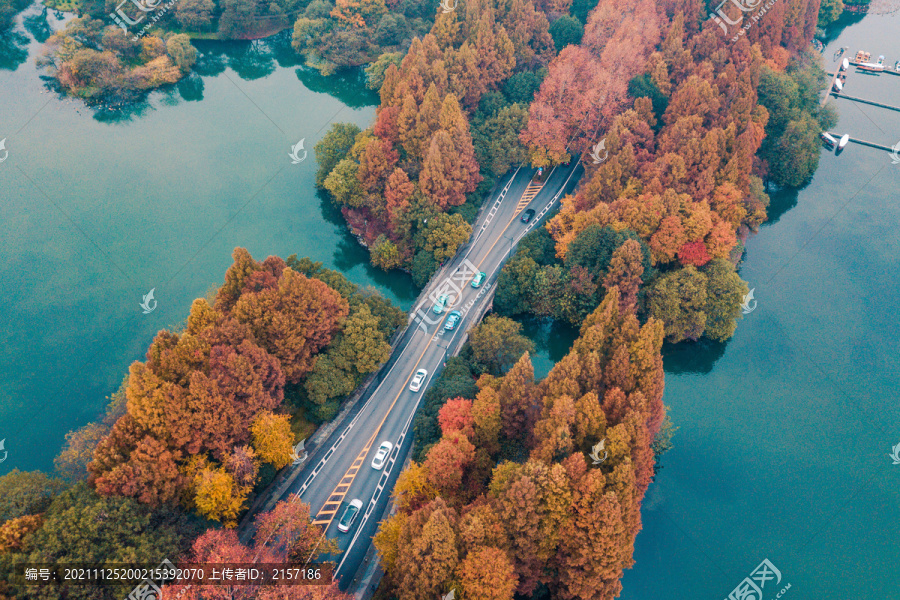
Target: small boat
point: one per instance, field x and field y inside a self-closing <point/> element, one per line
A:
<point x="829" y="140"/>
<point x="872" y="67"/>
<point x="844" y="139"/>
<point x="838" y="86"/>
<point x="845" y="64"/>
<point x="862" y="56"/>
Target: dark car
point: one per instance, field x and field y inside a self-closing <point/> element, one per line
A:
<point x="529" y="214"/>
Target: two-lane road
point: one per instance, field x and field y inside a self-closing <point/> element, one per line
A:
<point x="341" y="470"/>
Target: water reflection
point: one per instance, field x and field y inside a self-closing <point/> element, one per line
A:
<point x="39" y="26"/>
<point x="692" y="357"/>
<point x="780" y="202"/>
<point x="348" y="86"/>
<point x="552" y="341"/>
<point x="13" y="49"/>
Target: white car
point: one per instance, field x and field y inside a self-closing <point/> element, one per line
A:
<point x="350" y="515"/>
<point x="383" y="451"/>
<point x="416" y="384"/>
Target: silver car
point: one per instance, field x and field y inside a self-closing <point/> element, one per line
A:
<point x="416" y="384"/>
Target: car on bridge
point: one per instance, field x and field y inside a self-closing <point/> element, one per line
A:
<point x="440" y="304"/>
<point x="452" y="319"/>
<point x="383" y="451"/>
<point x="479" y="277"/>
<point x="529" y="214"/>
<point x="416" y="384"/>
<point x="350" y="514"/>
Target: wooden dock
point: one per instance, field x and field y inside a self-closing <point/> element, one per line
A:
<point x="864" y="143"/>
<point x="831" y="87"/>
<point x="887" y="69"/>
<point x="863" y="101"/>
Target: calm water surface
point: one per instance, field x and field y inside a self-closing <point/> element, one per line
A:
<point x="784" y="432"/>
<point x="98" y="208"/>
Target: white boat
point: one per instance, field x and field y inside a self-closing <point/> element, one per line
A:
<point x="844" y="139"/>
<point x="829" y="139"/>
<point x="838" y="86"/>
<point x="845" y="64"/>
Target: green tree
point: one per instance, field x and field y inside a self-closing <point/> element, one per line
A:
<point x="796" y="155"/>
<point x="566" y="30"/>
<point x="344" y="185"/>
<point x="181" y="50"/>
<point x="26" y="493"/>
<point x="327" y="381"/>
<point x="375" y="71"/>
<point x="424" y="265"/>
<point x="385" y="254"/>
<point x="81" y="526"/>
<point x="679" y="300"/>
<point x="496" y="138"/>
<point x="361" y="346"/>
<point x="725" y="291"/>
<point x="333" y="147"/>
<point x="497" y="343"/>
<point x="444" y="234"/>
<point x="515" y="284"/>
<point x="521" y="87"/>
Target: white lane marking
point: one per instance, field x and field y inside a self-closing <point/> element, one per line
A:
<point x="382" y="480"/>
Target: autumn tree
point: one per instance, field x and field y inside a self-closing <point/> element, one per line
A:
<point x="427" y="555"/>
<point x="218" y="496"/>
<point x="294" y="320"/>
<point x="497" y="343"/>
<point x="487" y="574"/>
<point x="272" y="438"/>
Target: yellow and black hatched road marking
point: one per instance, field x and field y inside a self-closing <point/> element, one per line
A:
<point x="528" y="195"/>
<point x="326" y="514"/>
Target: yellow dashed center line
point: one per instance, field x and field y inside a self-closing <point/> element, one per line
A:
<point x="326" y="514"/>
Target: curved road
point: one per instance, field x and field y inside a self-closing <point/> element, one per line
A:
<point x="340" y="470"/>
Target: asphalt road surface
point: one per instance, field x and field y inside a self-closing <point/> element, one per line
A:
<point x="341" y="468"/>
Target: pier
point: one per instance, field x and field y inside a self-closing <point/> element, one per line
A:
<point x="864" y="143"/>
<point x="862" y="100"/>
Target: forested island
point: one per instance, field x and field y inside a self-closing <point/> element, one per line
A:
<point x="501" y="500"/>
<point x="201" y="427"/>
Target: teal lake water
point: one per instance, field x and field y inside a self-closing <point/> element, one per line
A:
<point x="98" y="208"/>
<point x="784" y="431"/>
